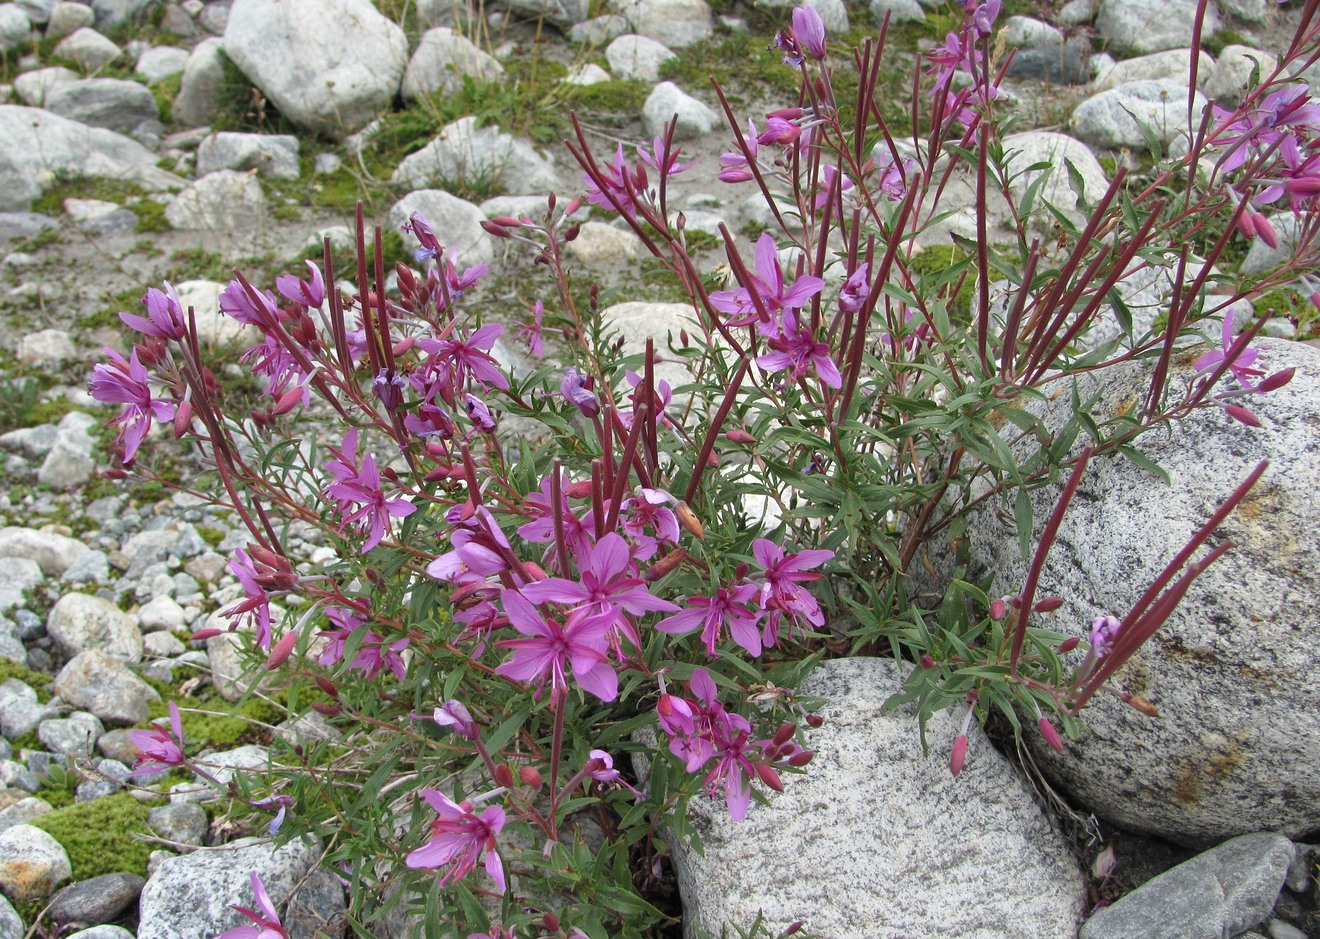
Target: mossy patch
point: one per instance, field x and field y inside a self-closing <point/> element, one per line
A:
<point x="99" y="836"/>
<point x="37" y="681"/>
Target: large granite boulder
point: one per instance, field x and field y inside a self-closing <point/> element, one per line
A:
<point x="1236" y="746"/>
<point x="328" y="65"/>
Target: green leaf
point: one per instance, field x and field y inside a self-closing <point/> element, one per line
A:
<point x="1023" y="515"/>
<point x="1078" y="185"/>
<point x="1148" y="132"/>
<point x="1140" y="459"/>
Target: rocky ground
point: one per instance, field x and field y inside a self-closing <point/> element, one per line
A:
<point x="133" y="150"/>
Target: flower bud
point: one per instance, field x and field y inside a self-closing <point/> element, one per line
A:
<point x="666" y="564"/>
<point x="1242" y="415"/>
<point x="529" y="776"/>
<point x="814" y="721"/>
<point x="504" y="776"/>
<point x="327" y="686"/>
<point x="794" y="927"/>
<point x="1265" y="230"/>
<point x="404" y="345"/>
<point x="688" y="519"/>
<point x="739" y="436"/>
<point x="1068" y="645"/>
<point x="801" y="759"/>
<point x="1050" y="734"/>
<point x="283" y="649"/>
<point x="182" y="419"/>
<point x="288" y="401"/>
<point x="926" y="661"/>
<point x="1245" y="226"/>
<point x="998" y="609"/>
<point x="784" y="734"/>
<point x="1275" y="381"/>
<point x="1137" y="702"/>
<point x="551" y="922"/>
<point x="769" y="777"/>
<point x="329" y="710"/>
<point x="959" y="755"/>
<point x="1048" y="605"/>
<point x="579" y="490"/>
<point x="497" y="231"/>
<point x="572" y="233"/>
<point x="203" y="634"/>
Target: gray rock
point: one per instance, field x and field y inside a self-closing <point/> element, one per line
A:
<point x="442" y="60"/>
<point x="898" y="11"/>
<point x="635" y="322"/>
<point x="635" y="56"/>
<point x="95" y="901"/>
<point x="667" y="101"/>
<point x="182" y="823"/>
<point x="104" y="685"/>
<point x="46" y="349"/>
<point x="23" y="224"/>
<point x="225" y="203"/>
<point x="97" y="216"/>
<point x="1299" y="870"/>
<point x="68" y="149"/>
<point x="1141" y="26"/>
<point x="1229" y="78"/>
<point x="214" y="17"/>
<point x="23" y="811"/>
<point x="190" y="895"/>
<point x="118" y="745"/>
<point x="11" y="924"/>
<point x="54" y="553"/>
<point x="1109" y="119"/>
<point x="1062" y="65"/>
<point x="457" y="221"/>
<point x="911" y="851"/>
<point x="14" y="775"/>
<point x="67" y="18"/>
<point x="33" y="442"/>
<point x="88" y="48"/>
<point x="833" y="13"/>
<point x="306" y="730"/>
<point x="602" y="243"/>
<point x="1172" y="64"/>
<point x="464" y="153"/>
<point x="676" y="23"/>
<point x="15" y="27"/>
<point x="158" y="63"/>
<point x="320" y="75"/>
<point x="317" y="908"/>
<point x="272" y="155"/>
<point x="199" y="89"/>
<point x="562" y="14"/>
<point x="1236" y="746"/>
<point x="599" y="29"/>
<point x="589" y="73"/>
<point x="79" y="622"/>
<point x="73" y="736"/>
<point x="1252" y="11"/>
<point x="32" y="863"/>
<point x="1220" y="892"/>
<point x="16" y="576"/>
<point x="20" y="713"/>
<point x="37" y="11"/>
<point x="101" y="932"/>
<point x="67" y="467"/>
<point x="110" y="13"/>
<point x="1076" y="13"/>
<point x="13" y="649"/>
<point x="92" y="567"/>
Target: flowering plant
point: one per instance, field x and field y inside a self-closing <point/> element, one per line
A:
<point x="547" y="569"/>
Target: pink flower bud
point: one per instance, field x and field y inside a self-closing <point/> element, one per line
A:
<point x="959" y="755"/>
<point x="1050" y="734"/>
<point x="182" y="419"/>
<point x="504" y="776"/>
<point x="530" y="776"/>
<point x="1068" y="645"/>
<point x="998" y="609"/>
<point x="497" y="231"/>
<point x="203" y="634"/>
<point x="283" y="649"/>
<point x="288" y="401"/>
<point x="580" y="490"/>
<point x="784" y="733"/>
<point x="1242" y="415"/>
<point x="1265" y="230"/>
<point x="1276" y="381"/>
<point x="1315" y="299"/>
<point x="740" y="436"/>
<point x="814" y="721"/>
<point x="1048" y="605"/>
<point x="926" y="661"/>
<point x="573" y="206"/>
<point x="799" y="760"/>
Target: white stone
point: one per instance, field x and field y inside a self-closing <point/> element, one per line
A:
<point x="636" y="322"/>
<point x="1173" y="64"/>
<point x="589" y="73"/>
<point x="88" y="48"/>
<point x="603" y="243"/>
<point x="274" y="156"/>
<point x="634" y="56"/>
<point x="113" y="103"/>
<point x="462" y="153"/>
<point x="199" y="89"/>
<point x="53" y="552"/>
<point x="441" y="61"/>
<point x="78" y="622"/>
<point x="158" y="63"/>
<point x="67" y="18"/>
<point x="15" y="27"/>
<point x="1229" y="78"/>
<point x="676" y="23"/>
<point x="32" y="863"/>
<point x="666" y="102"/>
<point x="32" y="87"/>
<point x="225" y="203"/>
<point x="46" y="349"/>
<point x="68" y="149"/>
<point x="1236" y="747"/>
<point x="328" y="65"/>
<point x="106" y="686"/>
<point x="1059" y="150"/>
<point x="879" y="840"/>
<point x="1141" y="26"/>
<point x="1109" y="119"/>
<point x="898" y="11"/>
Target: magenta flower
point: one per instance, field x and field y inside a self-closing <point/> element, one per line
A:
<point x="265" y="925"/>
<point x="728" y="608"/>
<point x="782" y="593"/>
<point x="374" y="655"/>
<point x="453" y="714"/>
<point x="478" y="413"/>
<point x="703" y="730"/>
<point x="309" y="293"/>
<point x="607" y="586"/>
<point x="274" y="360"/>
<point x="164" y="319"/>
<point x="121" y="382"/>
<point x="579" y="642"/>
<point x="734" y="164"/>
<point x="578" y="532"/>
<point x="458" y="838"/>
<point x="768" y="286"/>
<point x="647" y="508"/>
<point x="345" y="620"/>
<point x="425" y="235"/>
<point x="796" y="350"/>
<point x="575" y="388"/>
<point x="236" y="302"/>
<point x="530" y="333"/>
<point x="1104" y="632"/>
<point x="362" y="502"/>
<point x="459" y="361"/>
<point x="158" y="748"/>
<point x="622" y="185"/>
<point x="827" y="176"/>
<point x="1241" y="366"/>
<point x="256" y="606"/>
<point x="810" y="31"/>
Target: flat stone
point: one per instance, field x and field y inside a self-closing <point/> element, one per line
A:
<point x="666" y="102"/>
<point x="32" y="863"/>
<point x="88" y="48"/>
<point x="1136" y="27"/>
<point x="638" y="57"/>
<point x="104" y="685"/>
<point x="1109" y="119"/>
<point x="182" y="823"/>
<point x="676" y="23"/>
<point x="274" y="156"/>
<point x="32" y="87"/>
<point x="79" y="621"/>
<point x="95" y="901"/>
<point x="442" y="60"/>
<point x="1220" y="892"/>
<point x="23" y="811"/>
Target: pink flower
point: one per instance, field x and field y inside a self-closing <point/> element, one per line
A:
<point x="781" y="592"/>
<point x="768" y="287"/>
<point x="159" y="749"/>
<point x="309" y="293"/>
<point x="265" y="925"/>
<point x="121" y="382"/>
<point x="460" y="361"/>
<point x="530" y="333"/>
<point x="1241" y="365"/>
<point x="256" y="606"/>
<point x="235" y="301"/>
<point x="580" y="642"/>
<point x="458" y="838"/>
<point x="164" y="319"/>
<point x="453" y="714"/>
<point x="810" y="31"/>
<point x="796" y="350"/>
<point x="358" y="492"/>
<point x="727" y="608"/>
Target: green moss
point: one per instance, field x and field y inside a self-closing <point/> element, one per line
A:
<point x="41" y="239"/>
<point x="219" y="732"/>
<point x="150" y="216"/>
<point x="51" y="201"/>
<point x="99" y="835"/>
<point x="741" y="61"/>
<point x="166" y="91"/>
<point x="212" y="536"/>
<point x="37" y="681"/>
<point x="933" y="265"/>
<point x="1225" y="37"/>
<point x="617" y="96"/>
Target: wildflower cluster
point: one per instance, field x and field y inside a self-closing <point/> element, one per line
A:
<point x="525" y="560"/>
